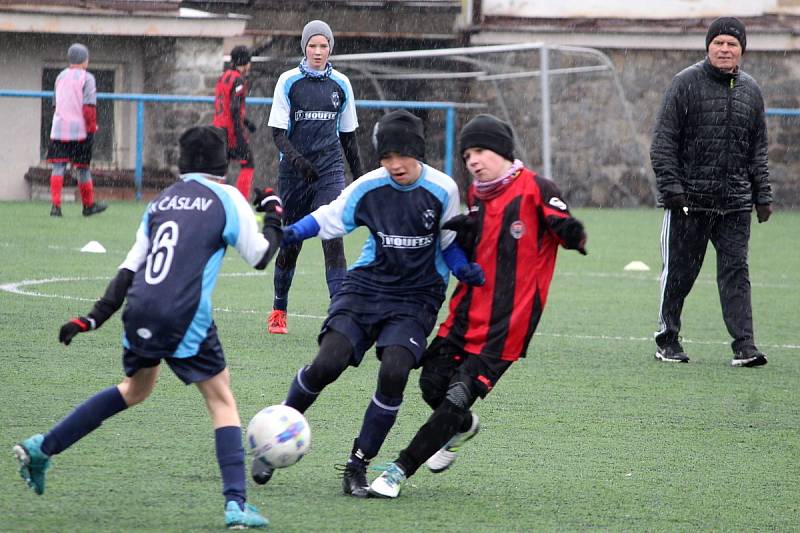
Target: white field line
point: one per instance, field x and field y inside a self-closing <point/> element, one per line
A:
<point x="20" y="288"/>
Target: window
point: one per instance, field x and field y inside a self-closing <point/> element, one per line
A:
<point x="104" y="138"/>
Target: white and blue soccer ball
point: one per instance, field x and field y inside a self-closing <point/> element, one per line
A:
<point x="278" y="436"/>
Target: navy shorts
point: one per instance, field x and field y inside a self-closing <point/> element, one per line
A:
<point x="79" y="153"/>
<point x="381" y="320"/>
<point x="301" y="198"/>
<point x="207" y="363"/>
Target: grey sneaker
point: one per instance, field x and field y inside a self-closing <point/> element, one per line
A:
<point x="749" y="357"/>
<point x="672" y="354"/>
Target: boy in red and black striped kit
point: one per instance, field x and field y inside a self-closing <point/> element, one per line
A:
<point x="230" y="114"/>
<point x="516" y="222"/>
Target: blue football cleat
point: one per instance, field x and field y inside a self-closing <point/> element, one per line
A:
<point x="33" y="463"/>
<point x="238" y="518"/>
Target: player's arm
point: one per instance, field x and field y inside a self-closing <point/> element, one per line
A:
<point x="351" y="153"/>
<point x="257" y="247"/>
<point x="237" y="96"/>
<point x="329" y="221"/>
<point x="453" y="254"/>
<point x="90" y="104"/>
<point x="114" y="296"/>
<point x="302" y="165"/>
<point x="666" y="146"/>
<point x="568" y="230"/>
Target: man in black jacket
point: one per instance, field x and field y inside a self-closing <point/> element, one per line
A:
<point x="709" y="155"/>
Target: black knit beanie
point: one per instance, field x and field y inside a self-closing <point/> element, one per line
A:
<point x="203" y="149"/>
<point x="727" y="26"/>
<point x="488" y="131"/>
<point x="401" y="132"/>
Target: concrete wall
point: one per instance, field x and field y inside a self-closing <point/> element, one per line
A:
<point x="22" y="62"/>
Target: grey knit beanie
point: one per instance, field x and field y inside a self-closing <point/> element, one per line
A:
<point x="77" y="54"/>
<point x="316" y="27"/>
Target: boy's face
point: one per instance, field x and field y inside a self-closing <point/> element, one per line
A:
<point x="317" y="52"/>
<point x="403" y="169"/>
<point x="484" y="164"/>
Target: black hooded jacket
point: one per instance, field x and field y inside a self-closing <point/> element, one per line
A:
<point x="710" y="140"/>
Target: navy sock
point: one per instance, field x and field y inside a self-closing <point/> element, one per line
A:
<point x="282" y="282"/>
<point x="378" y="420"/>
<point x="83" y="420"/>
<point x="334" y="277"/>
<point x="300" y="395"/>
<point x="230" y="456"/>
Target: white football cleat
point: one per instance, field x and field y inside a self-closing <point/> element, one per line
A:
<point x="441" y="460"/>
<point x="387" y="485"/>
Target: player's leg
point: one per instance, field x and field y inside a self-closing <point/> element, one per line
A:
<point x="334" y="356"/>
<point x="56" y="186"/>
<point x="82" y="158"/>
<point x="450" y="426"/>
<point x="328" y="188"/>
<point x="684" y="239"/>
<point x="297" y="197"/>
<point x="244" y="181"/>
<point x="731" y="238"/>
<point x="35" y="452"/>
<point x="208" y="370"/>
<point x="396" y="364"/>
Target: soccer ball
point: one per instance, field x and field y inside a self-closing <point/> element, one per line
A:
<point x="279" y="436"/>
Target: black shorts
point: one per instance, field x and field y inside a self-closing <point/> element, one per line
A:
<point x="444" y="364"/>
<point x="207" y="363"/>
<point x="79" y="153"/>
<point x="380" y="320"/>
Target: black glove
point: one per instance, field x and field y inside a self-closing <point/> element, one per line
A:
<point x="471" y="274"/>
<point x="763" y="212"/>
<point x="77" y="325"/>
<point x="306" y="169"/>
<point x="241" y="151"/>
<point x="250" y="125"/>
<point x="466" y="228"/>
<point x="676" y="201"/>
<point x="268" y="202"/>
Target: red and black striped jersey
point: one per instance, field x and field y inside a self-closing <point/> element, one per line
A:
<point x="519" y="232"/>
<point x="229" y="104"/>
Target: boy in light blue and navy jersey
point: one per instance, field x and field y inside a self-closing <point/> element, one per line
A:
<point x="392" y="294"/>
<point x="167" y="279"/>
<point x="313" y="119"/>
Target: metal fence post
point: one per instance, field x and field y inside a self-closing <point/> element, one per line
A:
<point x="139" y="171"/>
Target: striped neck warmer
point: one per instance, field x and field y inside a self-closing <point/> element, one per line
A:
<point x="486" y="190"/>
<point x="309" y="72"/>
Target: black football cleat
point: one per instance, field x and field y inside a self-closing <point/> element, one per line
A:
<point x="261" y="472"/>
<point x="354" y="480"/>
<point x="97" y="207"/>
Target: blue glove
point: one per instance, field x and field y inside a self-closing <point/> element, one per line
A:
<point x="471" y="274"/>
<point x="290" y="236"/>
<point x="303" y="229"/>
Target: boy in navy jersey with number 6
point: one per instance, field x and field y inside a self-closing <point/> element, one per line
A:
<point x="516" y="222"/>
<point x="167" y="279"/>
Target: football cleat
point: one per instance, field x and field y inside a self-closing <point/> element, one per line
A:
<point x="97" y="207"/>
<point x="55" y="211"/>
<point x="354" y="480"/>
<point x="672" y="354"/>
<point x="276" y="323"/>
<point x="261" y="472"/>
<point x="749" y="357"/>
<point x="238" y="518"/>
<point x="444" y="458"/>
<point x="388" y="484"/>
<point x="33" y="463"/>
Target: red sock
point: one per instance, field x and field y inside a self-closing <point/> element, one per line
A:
<point x="245" y="181"/>
<point x="56" y="184"/>
<point x="87" y="193"/>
